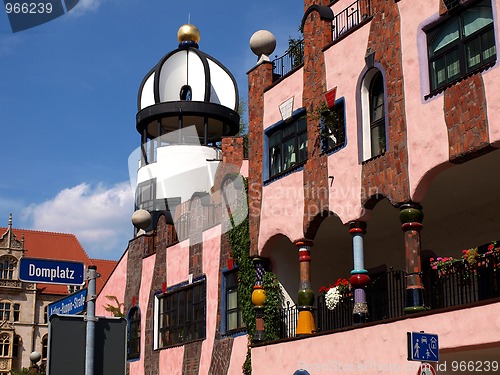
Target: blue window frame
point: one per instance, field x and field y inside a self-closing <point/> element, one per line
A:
<point x="232" y="320"/>
<point x="333" y="127"/>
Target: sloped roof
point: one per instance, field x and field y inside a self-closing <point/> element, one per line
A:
<point x="60" y="246"/>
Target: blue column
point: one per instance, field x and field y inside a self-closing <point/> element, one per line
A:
<point x="359" y="276"/>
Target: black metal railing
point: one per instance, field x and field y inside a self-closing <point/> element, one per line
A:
<point x="293" y="57"/>
<point x="462" y="283"/>
<point x="459" y="284"/>
<point x="351" y="18"/>
<point x="288" y="320"/>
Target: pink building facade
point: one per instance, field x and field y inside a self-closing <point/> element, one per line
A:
<point x="372" y="158"/>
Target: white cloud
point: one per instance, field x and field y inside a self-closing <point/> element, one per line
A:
<point x="98" y="215"/>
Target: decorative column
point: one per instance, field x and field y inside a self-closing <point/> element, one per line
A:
<point x="258" y="300"/>
<point x="411" y="216"/>
<point x="305" y="322"/>
<point x="359" y="276"/>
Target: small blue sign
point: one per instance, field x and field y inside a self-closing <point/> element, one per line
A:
<point x="70" y="305"/>
<point x="34" y="270"/>
<point x="423" y="347"/>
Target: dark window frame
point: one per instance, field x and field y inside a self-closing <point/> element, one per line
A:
<point x="339" y="131"/>
<point x="458" y="46"/>
<point x="287" y="134"/>
<point x="146" y="204"/>
<point x="7" y="267"/>
<point x="231" y="286"/>
<point x="134" y="333"/>
<point x="182" y="315"/>
<point x="377" y="122"/>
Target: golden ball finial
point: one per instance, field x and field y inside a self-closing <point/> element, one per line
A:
<point x="188" y="33"/>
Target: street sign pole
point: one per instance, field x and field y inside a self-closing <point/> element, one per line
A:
<point x="92" y="275"/>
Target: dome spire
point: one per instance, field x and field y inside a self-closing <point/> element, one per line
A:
<point x="188" y="35"/>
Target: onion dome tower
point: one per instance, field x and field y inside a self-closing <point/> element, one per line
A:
<point x="186" y="104"/>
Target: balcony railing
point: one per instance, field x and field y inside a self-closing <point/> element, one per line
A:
<point x="351" y="18"/>
<point x="293" y="57"/>
<point x="460" y="284"/>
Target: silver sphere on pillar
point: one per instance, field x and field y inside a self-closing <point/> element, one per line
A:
<point x="141" y="219"/>
<point x="35" y="357"/>
<point x="262" y="43"/>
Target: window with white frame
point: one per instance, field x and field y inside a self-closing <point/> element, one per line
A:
<point x="181" y="315"/>
<point x="373" y="114"/>
<point x="463" y="44"/>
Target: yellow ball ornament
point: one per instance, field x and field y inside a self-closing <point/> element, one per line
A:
<point x="188" y="33"/>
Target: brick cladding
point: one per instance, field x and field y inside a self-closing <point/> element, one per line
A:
<point x="465" y="115"/>
<point x="466" y="120"/>
<point x="317" y="35"/>
<point x="232" y="159"/>
<point x="221" y="356"/>
<point x="152" y="357"/>
<point x="259" y="78"/>
<point x="387" y="175"/>
<point x="232" y="151"/>
<point x="223" y="346"/>
<point x="191" y="360"/>
<point x="134" y="273"/>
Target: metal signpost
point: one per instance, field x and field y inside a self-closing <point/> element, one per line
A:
<point x="65" y="336"/>
<point x="48" y="271"/>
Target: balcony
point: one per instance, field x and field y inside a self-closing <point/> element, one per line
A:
<point x="345" y="22"/>
<point x="458" y="284"/>
<point x="293" y="58"/>
<point x="351" y="18"/>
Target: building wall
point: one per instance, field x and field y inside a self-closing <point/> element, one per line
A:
<point x="382" y="348"/>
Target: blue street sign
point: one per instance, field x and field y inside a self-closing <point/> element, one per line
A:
<point x="70" y="305"/>
<point x="48" y="271"/>
<point x="423" y="347"/>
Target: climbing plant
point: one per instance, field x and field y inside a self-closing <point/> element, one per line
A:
<point x="239" y="238"/>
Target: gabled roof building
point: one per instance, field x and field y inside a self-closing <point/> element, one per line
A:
<point x="23" y="306"/>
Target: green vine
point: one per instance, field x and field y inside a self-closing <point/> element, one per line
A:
<point x="239" y="238"/>
<point x="274" y="300"/>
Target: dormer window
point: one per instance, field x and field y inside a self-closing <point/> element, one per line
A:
<point x="186" y="93"/>
<point x="7" y="267"/>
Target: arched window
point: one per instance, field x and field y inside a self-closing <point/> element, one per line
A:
<point x="377" y="114"/>
<point x="18" y="343"/>
<point x="373" y="114"/>
<point x="45" y="342"/>
<point x="186" y="93"/>
<point x="7" y="267"/>
<point x="4" y="345"/>
<point x="134" y="333"/>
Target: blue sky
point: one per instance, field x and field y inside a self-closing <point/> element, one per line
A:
<point x="68" y="92"/>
